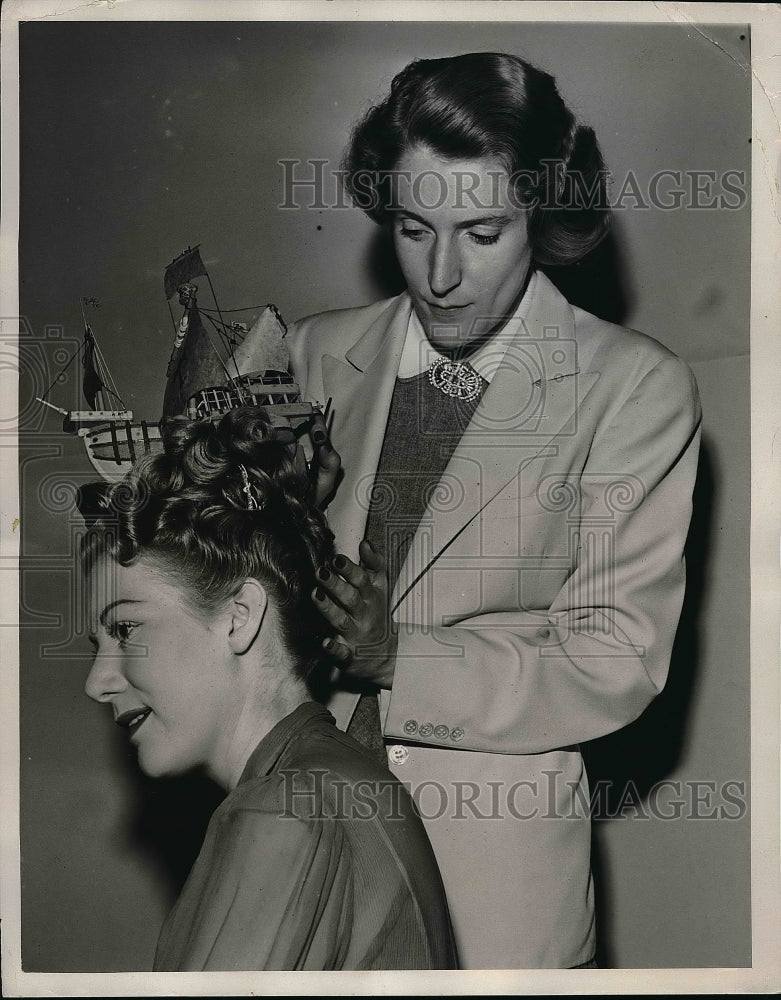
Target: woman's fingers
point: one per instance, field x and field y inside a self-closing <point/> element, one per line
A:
<point x="334" y="613"/>
<point x="344" y="591"/>
<point x="337" y="650"/>
<point x="359" y="590"/>
<point x="370" y="557"/>
<point x="329" y="467"/>
<point x="326" y="462"/>
<point x="357" y="576"/>
<point x="353" y="599"/>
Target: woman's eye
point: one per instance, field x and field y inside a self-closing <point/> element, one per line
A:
<point x="411" y="233"/>
<point x="484" y="239"/>
<point x="121" y="631"/>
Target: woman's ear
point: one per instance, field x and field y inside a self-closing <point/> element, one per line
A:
<point x="248" y="609"/>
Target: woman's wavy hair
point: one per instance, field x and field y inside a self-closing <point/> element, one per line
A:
<point x="489" y="104"/>
<point x="187" y="512"/>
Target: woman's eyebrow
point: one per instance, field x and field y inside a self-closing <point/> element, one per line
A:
<point x="113" y="604"/>
<point x="485" y="220"/>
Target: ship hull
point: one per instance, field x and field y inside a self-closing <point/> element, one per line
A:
<point x="113" y="448"/>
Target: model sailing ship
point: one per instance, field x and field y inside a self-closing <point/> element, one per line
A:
<point x="208" y="374"/>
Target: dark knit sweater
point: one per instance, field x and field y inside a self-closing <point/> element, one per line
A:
<point x="424" y="427"/>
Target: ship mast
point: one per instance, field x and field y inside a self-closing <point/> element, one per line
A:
<point x="97" y="384"/>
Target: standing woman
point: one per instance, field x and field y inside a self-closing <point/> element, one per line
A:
<point x="521" y="472"/>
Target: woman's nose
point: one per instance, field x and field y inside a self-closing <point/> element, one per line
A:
<point x="105" y="679"/>
<point x="444" y="268"/>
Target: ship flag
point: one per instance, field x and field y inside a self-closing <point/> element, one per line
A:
<point x="186" y="266"/>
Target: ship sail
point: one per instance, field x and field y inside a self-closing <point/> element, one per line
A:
<point x="195" y="360"/>
<point x="264" y="348"/>
<point x="92" y="383"/>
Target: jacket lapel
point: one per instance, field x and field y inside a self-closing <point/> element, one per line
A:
<point x="362" y="382"/>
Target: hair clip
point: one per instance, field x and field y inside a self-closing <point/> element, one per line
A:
<point x="253" y="502"/>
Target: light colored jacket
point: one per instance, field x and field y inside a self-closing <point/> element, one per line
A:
<point x="538" y="603"/>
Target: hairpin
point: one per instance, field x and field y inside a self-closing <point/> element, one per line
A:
<point x="253" y="501"/>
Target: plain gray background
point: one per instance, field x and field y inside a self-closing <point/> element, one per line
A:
<point x="139" y="139"/>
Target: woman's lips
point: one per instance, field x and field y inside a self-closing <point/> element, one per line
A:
<point x="434" y="307"/>
<point x="447" y="315"/>
<point x="133" y="719"/>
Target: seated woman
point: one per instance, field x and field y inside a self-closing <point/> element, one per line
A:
<point x="200" y="572"/>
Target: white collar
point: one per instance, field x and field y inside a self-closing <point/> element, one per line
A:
<point x="418" y="352"/>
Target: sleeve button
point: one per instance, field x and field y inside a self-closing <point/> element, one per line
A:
<point x="398" y="754"/>
<point x="456" y="734"/>
<point x="426" y="729"/>
<point x="442" y="732"/>
<point x="410" y="727"/>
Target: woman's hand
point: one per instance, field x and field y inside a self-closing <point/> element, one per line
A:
<point x="354" y="599"/>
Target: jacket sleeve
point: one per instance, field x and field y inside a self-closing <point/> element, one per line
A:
<point x="517" y="681"/>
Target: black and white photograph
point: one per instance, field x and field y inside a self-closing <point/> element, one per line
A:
<point x="390" y="498"/>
